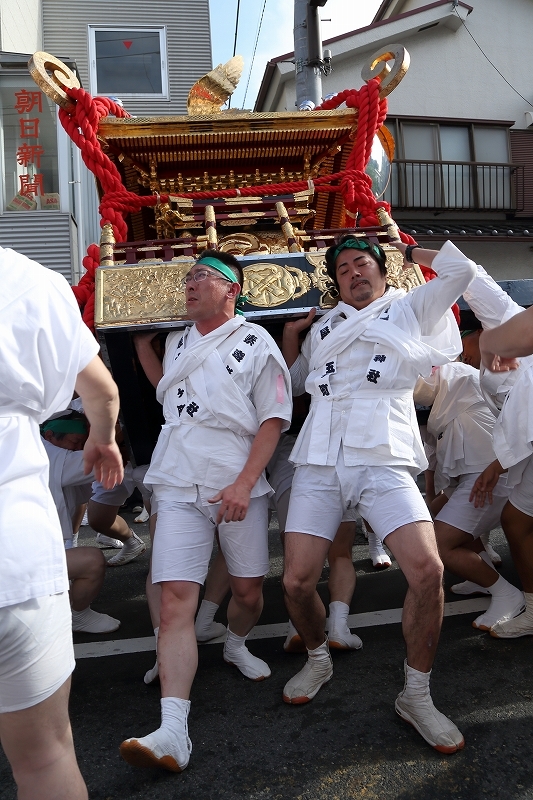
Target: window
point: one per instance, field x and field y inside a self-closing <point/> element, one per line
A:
<point x="452" y="166"/>
<point x="29" y="153"/>
<point x="128" y="62"/>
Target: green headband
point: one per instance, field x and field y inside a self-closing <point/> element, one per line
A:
<point x="357" y="244"/>
<point x="65" y="426"/>
<point x="468" y="332"/>
<point x="229" y="274"/>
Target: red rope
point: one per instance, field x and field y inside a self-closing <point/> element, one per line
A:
<point x="353" y="183"/>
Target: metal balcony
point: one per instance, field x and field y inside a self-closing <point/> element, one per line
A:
<point x="456" y="186"/>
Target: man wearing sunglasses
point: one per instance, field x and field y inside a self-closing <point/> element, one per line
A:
<point x="360" y="448"/>
<point x="226" y="397"/>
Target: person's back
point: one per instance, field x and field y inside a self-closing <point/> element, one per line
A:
<point x="46" y="352"/>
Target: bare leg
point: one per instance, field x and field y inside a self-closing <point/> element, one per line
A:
<point x="342" y="577"/>
<point x="304" y="559"/>
<point x="507" y="601"/>
<point x="458" y="557"/>
<point x="38" y="744"/>
<point x="341" y="586"/>
<point x="217" y="586"/>
<point x="177" y="650"/>
<point x="106" y="519"/>
<point x="86" y="570"/>
<point x="245" y="605"/>
<point x="415" y="550"/>
<point x="518" y="528"/>
<point x="169" y="746"/>
<point x="153" y="590"/>
<point x="217" y="583"/>
<point x="244" y="610"/>
<point x="77" y="518"/>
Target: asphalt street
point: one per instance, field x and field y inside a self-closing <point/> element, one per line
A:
<point x="347" y="743"/>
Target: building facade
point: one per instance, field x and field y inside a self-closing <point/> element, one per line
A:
<point x="463" y="127"/>
<point x="48" y="199"/>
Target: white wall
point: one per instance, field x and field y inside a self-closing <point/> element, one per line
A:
<point x="507" y="260"/>
<point x="448" y="76"/>
<point x="20" y="26"/>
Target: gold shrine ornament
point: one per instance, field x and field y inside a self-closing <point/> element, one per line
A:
<point x="268" y="285"/>
<point x="53" y="77"/>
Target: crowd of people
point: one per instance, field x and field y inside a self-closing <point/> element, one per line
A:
<point x="233" y="444"/>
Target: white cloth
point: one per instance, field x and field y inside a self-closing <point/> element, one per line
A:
<point x="492" y="306"/>
<point x="65" y="477"/>
<point x="185" y="533"/>
<point x="522" y="493"/>
<point x="386" y="497"/>
<point x="513" y="431"/>
<point x="44" y="346"/>
<point x="463" y="514"/>
<point x="216" y="391"/>
<point x="37" y="653"/>
<point x="361" y="392"/>
<point x="460" y="423"/>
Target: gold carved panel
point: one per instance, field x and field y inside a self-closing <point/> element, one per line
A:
<point x="151" y="293"/>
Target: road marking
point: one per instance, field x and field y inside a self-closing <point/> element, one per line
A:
<point x="390" y="616"/>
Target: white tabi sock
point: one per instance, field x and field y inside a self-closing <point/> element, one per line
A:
<point x="507" y="602"/>
<point x="521" y="625"/>
<point x="205" y="627"/>
<point x="491" y="552"/>
<point x="377" y="553"/>
<point x="236" y="653"/>
<point x="153" y="673"/>
<point x="415" y="705"/>
<point x="169" y="746"/>
<point x="340" y="636"/>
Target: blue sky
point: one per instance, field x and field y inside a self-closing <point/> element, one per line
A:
<point x="276" y="37"/>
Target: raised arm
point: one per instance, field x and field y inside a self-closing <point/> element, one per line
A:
<point x="150" y="361"/>
<point x="99" y="394"/>
<point x="502" y="345"/>
<point x="488" y="301"/>
<point x="454" y="273"/>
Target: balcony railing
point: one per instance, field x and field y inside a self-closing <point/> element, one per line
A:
<point x="457" y="186"/>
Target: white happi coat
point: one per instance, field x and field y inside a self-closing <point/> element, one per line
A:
<point x="510" y="393"/>
<point x="216" y="391"/>
<point x="360" y="368"/>
<point x="69" y="485"/>
<point x="460" y="423"/>
<point x="44" y="345"/>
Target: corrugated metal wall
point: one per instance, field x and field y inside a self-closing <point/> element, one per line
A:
<point x="65" y="24"/>
<point x="44" y="236"/>
<point x="522" y="153"/>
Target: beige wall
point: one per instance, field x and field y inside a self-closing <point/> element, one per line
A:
<point x="20" y="26"/>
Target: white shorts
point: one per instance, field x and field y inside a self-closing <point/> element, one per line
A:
<point x="462" y="514"/>
<point x="386" y="497"/>
<point x="521" y="495"/>
<point x="117" y="496"/>
<point x="184" y="536"/>
<point x="36" y="650"/>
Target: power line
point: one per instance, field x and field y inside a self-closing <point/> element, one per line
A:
<point x="236" y="27"/>
<point x="490" y="62"/>
<point x="235" y="40"/>
<point x="255" y="48"/>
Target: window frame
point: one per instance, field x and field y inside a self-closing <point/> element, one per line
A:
<point x="161" y="30"/>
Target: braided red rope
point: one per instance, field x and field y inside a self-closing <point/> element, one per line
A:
<point x="353" y="182"/>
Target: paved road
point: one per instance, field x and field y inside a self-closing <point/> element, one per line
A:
<point x="347" y="743"/>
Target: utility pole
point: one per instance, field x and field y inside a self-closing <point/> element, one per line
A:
<point x="308" y="58"/>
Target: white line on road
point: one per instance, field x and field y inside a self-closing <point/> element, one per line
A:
<point x="390" y="616"/>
